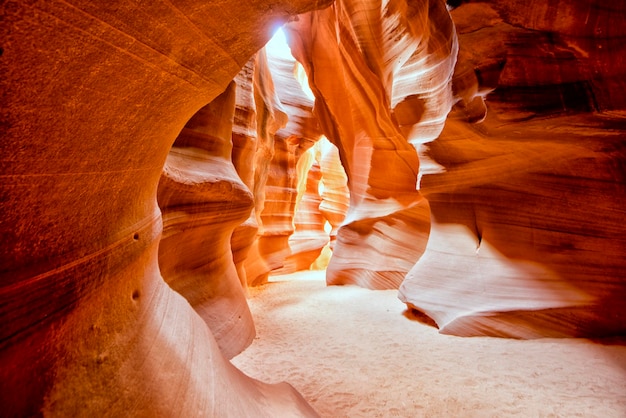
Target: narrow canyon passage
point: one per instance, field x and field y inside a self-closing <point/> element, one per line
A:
<point x="351" y="352"/>
<point x="163" y="167"/>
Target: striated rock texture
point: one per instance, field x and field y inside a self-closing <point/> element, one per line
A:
<point x="335" y="194"/>
<point x="527" y="209"/>
<point x="244" y="138"/>
<point x="279" y="207"/>
<point x="364" y="59"/>
<point x="278" y="176"/>
<point x="309" y="236"/>
<point x="270" y="117"/>
<point x="527" y="229"/>
<point x="545" y="58"/>
<point x="568" y="55"/>
<point x="95" y="93"/>
<point x="202" y="200"/>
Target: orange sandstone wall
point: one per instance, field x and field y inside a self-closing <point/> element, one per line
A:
<point x="244" y="137"/>
<point x="365" y="60"/>
<point x="278" y="176"/>
<point x="202" y="200"/>
<point x="94" y="95"/>
<point x="527" y="208"/>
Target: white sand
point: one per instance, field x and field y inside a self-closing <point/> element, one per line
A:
<point x="352" y="353"/>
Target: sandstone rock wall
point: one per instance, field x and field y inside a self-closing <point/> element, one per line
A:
<point x="95" y="93"/>
<point x="244" y="138"/>
<point x="546" y="57"/>
<point x="526" y="230"/>
<point x="309" y="237"/>
<point x="335" y="194"/>
<point x="526" y="210"/>
<point x="270" y="118"/>
<point x="277" y="195"/>
<point x="362" y="60"/>
<point x="526" y="207"/>
<point x="202" y="200"/>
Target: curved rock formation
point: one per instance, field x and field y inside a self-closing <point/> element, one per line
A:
<point x="309" y="237"/>
<point x="514" y="250"/>
<point x="243" y="156"/>
<point x="569" y="55"/>
<point x="95" y="94"/>
<point x="527" y="231"/>
<point x="363" y="59"/>
<point x="527" y="217"/>
<point x="270" y="118"/>
<point x="202" y="200"/>
<point x="546" y="58"/>
<point x="279" y="176"/>
<point x="335" y="194"/>
<point x="279" y="207"/>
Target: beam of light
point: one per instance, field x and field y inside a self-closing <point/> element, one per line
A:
<point x="278" y="47"/>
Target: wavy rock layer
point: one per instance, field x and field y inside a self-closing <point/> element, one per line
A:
<point x="288" y="143"/>
<point x="202" y="200"/>
<point x="95" y="95"/>
<point x="526" y="209"/>
<point x="567" y="55"/>
<point x="270" y="117"/>
<point x="570" y="55"/>
<point x="364" y="58"/>
<point x="279" y="207"/>
<point x="527" y="230"/>
<point x="335" y="194"/>
<point x="309" y="237"/>
<point x="244" y="138"/>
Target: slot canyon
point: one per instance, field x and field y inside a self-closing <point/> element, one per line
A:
<point x="301" y="208"/>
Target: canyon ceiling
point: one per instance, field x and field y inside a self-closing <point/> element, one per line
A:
<point x="157" y="161"/>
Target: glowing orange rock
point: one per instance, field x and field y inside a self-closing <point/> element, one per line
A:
<point x="278" y="210"/>
<point x="95" y="93"/>
<point x="243" y="156"/>
<point x="309" y="237"/>
<point x="270" y="118"/>
<point x="364" y="59"/>
<point x="335" y="195"/>
<point x="297" y="132"/>
<point x="527" y="208"/>
<point x="513" y="251"/>
<point x="202" y="200"/>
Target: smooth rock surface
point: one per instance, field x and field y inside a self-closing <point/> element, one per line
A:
<point x="244" y="138"/>
<point x="527" y="229"/>
<point x="527" y="208"/>
<point x="290" y="141"/>
<point x="270" y="117"/>
<point x="309" y="237"/>
<point x="202" y="200"/>
<point x="364" y="58"/>
<point x="94" y="95"/>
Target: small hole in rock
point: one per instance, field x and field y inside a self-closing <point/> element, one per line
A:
<point x="136" y="295"/>
<point x="136" y="236"/>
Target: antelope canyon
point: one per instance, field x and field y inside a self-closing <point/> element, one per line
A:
<point x="306" y="208"/>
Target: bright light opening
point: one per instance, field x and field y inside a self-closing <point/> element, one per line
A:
<point x="278" y="48"/>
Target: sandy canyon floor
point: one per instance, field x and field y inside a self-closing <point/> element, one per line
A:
<point x="354" y="352"/>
